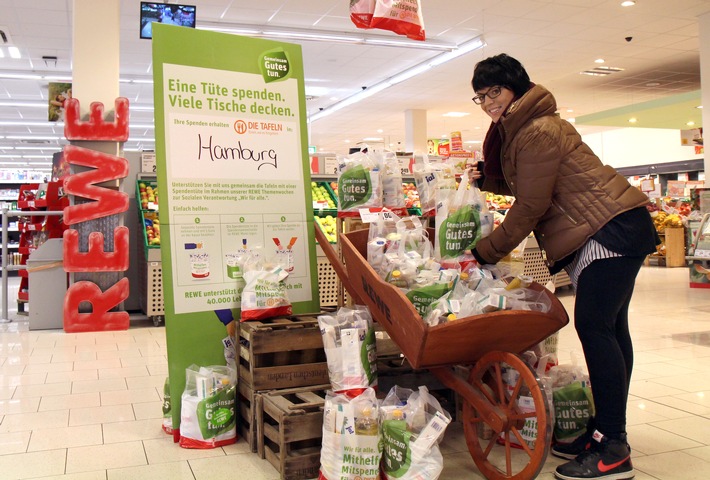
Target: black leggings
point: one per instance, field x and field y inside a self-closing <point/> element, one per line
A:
<point x="604" y="290"/>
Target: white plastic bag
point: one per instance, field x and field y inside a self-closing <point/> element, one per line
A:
<point x="208" y="410"/>
<point x="413" y="424"/>
<point x="352" y="446"/>
<point x="349" y="343"/>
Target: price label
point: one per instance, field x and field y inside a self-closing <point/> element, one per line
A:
<point x="148" y="163"/>
<point x="369" y="215"/>
<point x="330" y="165"/>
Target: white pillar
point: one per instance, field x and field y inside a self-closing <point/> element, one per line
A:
<point x="704" y="37"/>
<point x="95" y="62"/>
<point x="95" y="78"/>
<point x="415" y="134"/>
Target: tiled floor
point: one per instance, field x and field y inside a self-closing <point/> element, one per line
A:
<point x="88" y="406"/>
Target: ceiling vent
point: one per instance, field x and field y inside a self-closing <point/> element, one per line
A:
<point x="601" y="71"/>
<point x="34" y="142"/>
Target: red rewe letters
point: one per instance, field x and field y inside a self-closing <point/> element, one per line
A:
<point x="108" y="167"/>
<point x="96" y="128"/>
<point x="100" y="319"/>
<point x="107" y="202"/>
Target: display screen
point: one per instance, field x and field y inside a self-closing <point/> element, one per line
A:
<point x="170" y="14"/>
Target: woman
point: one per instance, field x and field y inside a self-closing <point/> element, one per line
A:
<point x="589" y="221"/>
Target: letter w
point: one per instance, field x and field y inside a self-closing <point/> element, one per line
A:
<point x="107" y="167"/>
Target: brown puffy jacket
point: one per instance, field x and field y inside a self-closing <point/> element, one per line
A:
<point x="562" y="190"/>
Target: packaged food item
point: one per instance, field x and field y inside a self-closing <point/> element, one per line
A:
<point x="435" y="181"/>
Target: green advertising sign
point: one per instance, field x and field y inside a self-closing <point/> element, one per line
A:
<point x="232" y="159"/>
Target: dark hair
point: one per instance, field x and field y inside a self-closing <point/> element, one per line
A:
<point x="501" y="70"/>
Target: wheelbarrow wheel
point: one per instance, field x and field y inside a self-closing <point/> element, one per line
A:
<point x="518" y="450"/>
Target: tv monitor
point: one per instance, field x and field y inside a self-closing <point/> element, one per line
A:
<point x="168" y="13"/>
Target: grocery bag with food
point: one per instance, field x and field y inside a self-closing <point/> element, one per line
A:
<point x="359" y="182"/>
<point x="461" y="221"/>
<point x="264" y="295"/>
<point x="573" y="402"/>
<point x="207" y="414"/>
<point x="349" y="343"/>
<point x="167" y="408"/>
<point x="403" y="18"/>
<point x="413" y="424"/>
<point x="352" y="443"/>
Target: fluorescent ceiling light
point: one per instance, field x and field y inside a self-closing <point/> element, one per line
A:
<point x="690" y="123"/>
<point x="14" y="52"/>
<point x="456" y="114"/>
<point x="474" y="141"/>
<point x="422" y="67"/>
<point x="372" y="139"/>
<point x="34" y="137"/>
<point x="633" y="120"/>
<point x="2" y="54"/>
<point x="628" y="3"/>
<point x="20" y="76"/>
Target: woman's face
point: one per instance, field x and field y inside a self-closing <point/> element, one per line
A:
<point x="495" y="101"/>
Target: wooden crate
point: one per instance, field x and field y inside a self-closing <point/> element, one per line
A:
<point x="282" y="353"/>
<point x="248" y="404"/>
<point x="290" y="429"/>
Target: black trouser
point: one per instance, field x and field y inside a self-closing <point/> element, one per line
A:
<point x="604" y="290"/>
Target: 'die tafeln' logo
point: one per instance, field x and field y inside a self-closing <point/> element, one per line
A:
<point x="275" y="65"/>
<point x="256" y="126"/>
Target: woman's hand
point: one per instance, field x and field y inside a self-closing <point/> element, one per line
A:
<point x="473" y="172"/>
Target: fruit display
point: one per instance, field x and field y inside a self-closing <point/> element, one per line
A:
<point x="498" y="202"/>
<point x="329" y="227"/>
<point x="151" y="227"/>
<point x="322" y="196"/>
<point x="148" y="195"/>
<point x="665" y="220"/>
<point x="411" y="195"/>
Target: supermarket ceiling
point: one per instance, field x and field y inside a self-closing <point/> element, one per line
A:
<point x="555" y="40"/>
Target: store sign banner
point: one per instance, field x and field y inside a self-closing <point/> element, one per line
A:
<point x="232" y="159"/>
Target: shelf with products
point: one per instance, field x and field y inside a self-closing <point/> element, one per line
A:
<point x="151" y="272"/>
<point x="43" y="204"/>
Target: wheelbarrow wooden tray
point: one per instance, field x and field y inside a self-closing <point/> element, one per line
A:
<point x="461" y="341"/>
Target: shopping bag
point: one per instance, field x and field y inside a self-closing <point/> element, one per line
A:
<point x="461" y="221"/>
<point x="573" y="401"/>
<point x="413" y="424"/>
<point x="207" y="414"/>
<point x="352" y="445"/>
<point x="349" y="344"/>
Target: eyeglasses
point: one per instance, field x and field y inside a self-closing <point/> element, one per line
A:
<point x="492" y="93"/>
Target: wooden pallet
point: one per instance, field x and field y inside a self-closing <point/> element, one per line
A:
<point x="282" y="353"/>
<point x="290" y="428"/>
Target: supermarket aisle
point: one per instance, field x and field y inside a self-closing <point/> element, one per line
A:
<point x="88" y="406"/>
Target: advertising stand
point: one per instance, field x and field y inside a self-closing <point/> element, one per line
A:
<point x="232" y="161"/>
